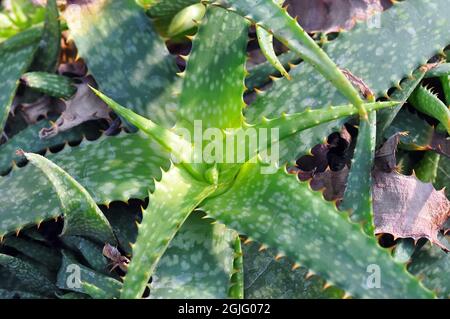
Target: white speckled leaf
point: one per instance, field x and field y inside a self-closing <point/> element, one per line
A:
<point x="164" y="8"/>
<point x="13" y="63"/>
<point x="105" y="168"/>
<point x="284" y="214"/>
<point x="431" y="265"/>
<point x="404" y="35"/>
<point x="274" y="19"/>
<point x="28" y="139"/>
<point x="174" y="198"/>
<point x="198" y="263"/>
<point x="29" y="275"/>
<point x="126" y="56"/>
<point x="266" y="277"/>
<point x="82" y="216"/>
<point x="109" y="286"/>
<point x="214" y="84"/>
<point x="358" y="193"/>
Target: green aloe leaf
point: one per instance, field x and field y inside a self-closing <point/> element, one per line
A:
<point x="431" y="265"/>
<point x="213" y="87"/>
<point x="50" y="84"/>
<point x="28" y="139"/>
<point x="236" y="290"/>
<point x="78" y="278"/>
<point x="386" y="117"/>
<point x="91" y="252"/>
<point x="362" y="51"/>
<point x="174" y="198"/>
<point x="429" y="103"/>
<point x="29" y="275"/>
<point x="274" y="19"/>
<point x="103" y="167"/>
<point x="443" y="175"/>
<point x="82" y="216"/>
<point x="126" y="56"/>
<point x="36" y="251"/>
<point x="16" y="55"/>
<point x="260" y="73"/>
<point x="198" y="262"/>
<point x="267" y="277"/>
<point x="47" y="55"/>
<point x="358" y="193"/>
<point x="284" y="214"/>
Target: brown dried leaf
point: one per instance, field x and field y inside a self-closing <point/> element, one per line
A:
<point x="408" y="208"/>
<point x="41" y="108"/>
<point x="82" y="107"/>
<point x="332" y="183"/>
<point x="333" y="15"/>
<point x="385" y="159"/>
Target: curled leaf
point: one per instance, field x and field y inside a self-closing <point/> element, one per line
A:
<point x="82" y="107"/>
<point x="333" y="15"/>
<point x="408" y="208"/>
<point x="41" y="108"/>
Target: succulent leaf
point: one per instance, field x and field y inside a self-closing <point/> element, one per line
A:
<point x="358" y="193"/>
<point x="427" y="102"/>
<point x="291" y="221"/>
<point x="198" y="262"/>
<point x="47" y="55"/>
<point x="174" y="198"/>
<point x="50" y="84"/>
<point x="78" y="278"/>
<point x="81" y="214"/>
<point x="213" y="87"/>
<point x="125" y="55"/>
<point x="16" y="55"/>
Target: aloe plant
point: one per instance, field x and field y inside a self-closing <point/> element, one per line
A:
<point x="195" y="191"/>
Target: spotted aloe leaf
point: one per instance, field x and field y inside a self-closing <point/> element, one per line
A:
<point x="30" y="199"/>
<point x="81" y="214"/>
<point x="443" y="175"/>
<point x="36" y="251"/>
<point x="358" y="193"/>
<point x="78" y="278"/>
<point x="161" y="221"/>
<point x="16" y="55"/>
<point x="268" y="277"/>
<point x="125" y="55"/>
<point x="292" y="223"/>
<point x="198" y="262"/>
<point x="386" y="117"/>
<point x="29" y="275"/>
<point x="50" y="84"/>
<point x="91" y="252"/>
<point x="270" y="16"/>
<point x="361" y="51"/>
<point x="163" y="8"/>
<point x="214" y="83"/>
<point x="430" y="264"/>
<point x="47" y="55"/>
<point x="29" y="140"/>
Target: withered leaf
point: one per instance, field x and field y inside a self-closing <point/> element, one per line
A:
<point x="41" y="108"/>
<point x="333" y="15"/>
<point x="82" y="107"/>
<point x="408" y="208"/>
